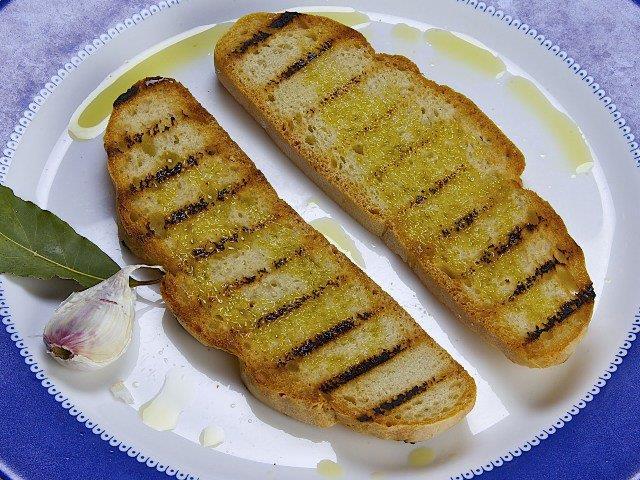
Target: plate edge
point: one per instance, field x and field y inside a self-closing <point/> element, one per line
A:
<point x="99" y="41"/>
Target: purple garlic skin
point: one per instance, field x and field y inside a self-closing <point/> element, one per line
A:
<point x="93" y="328"/>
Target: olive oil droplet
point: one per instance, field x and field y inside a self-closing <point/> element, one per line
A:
<point x="421" y="457"/>
<point x="163" y="411"/>
<point x="211" y="436"/>
<point x="346" y="18"/>
<point x="406" y="33"/>
<point x="478" y="58"/>
<point x="329" y="469"/>
<point x="336" y="235"/>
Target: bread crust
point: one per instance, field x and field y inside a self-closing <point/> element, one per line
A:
<point x="267" y="382"/>
<point x="434" y="279"/>
<point x="318" y="413"/>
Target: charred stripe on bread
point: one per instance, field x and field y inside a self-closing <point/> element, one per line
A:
<point x="261" y="35"/>
<point x="295" y="304"/>
<point x="193" y="209"/>
<point x="299" y="64"/>
<point x="361" y="368"/>
<point x="323" y="338"/>
<point x="388" y="405"/>
<point x="583" y="297"/>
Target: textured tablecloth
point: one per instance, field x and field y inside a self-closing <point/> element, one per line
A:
<point x="38" y="37"/>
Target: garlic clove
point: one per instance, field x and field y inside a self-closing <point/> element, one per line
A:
<point x="93" y="328"/>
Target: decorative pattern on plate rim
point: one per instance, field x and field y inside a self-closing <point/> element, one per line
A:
<point x="5" y="316"/>
<point x="634" y="149"/>
<point x="29" y="114"/>
<point x="570" y="63"/>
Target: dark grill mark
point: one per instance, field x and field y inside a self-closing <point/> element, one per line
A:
<point x="201" y="205"/>
<point x="342" y="89"/>
<point x="514" y="237"/>
<point x="280" y="262"/>
<point x="245" y="280"/>
<point x="403" y="397"/>
<point x="260" y="36"/>
<point x="165" y="173"/>
<point x="360" y="368"/>
<point x="528" y="282"/>
<point x="284" y="260"/>
<point x="283" y="19"/>
<point x="302" y="62"/>
<point x="185" y="212"/>
<point x="364" y="417"/>
<point x="259" y="225"/>
<point x="325" y="337"/>
<point x="213" y="247"/>
<point x="584" y="296"/>
<point x="159" y="127"/>
<point x="255" y="39"/>
<point x="437" y="186"/>
<point x="407" y="395"/>
<point x="262" y="272"/>
<point x="463" y="222"/>
<point x="123" y="97"/>
<point x="404" y="152"/>
<point x="400" y="399"/>
<point x="222" y="194"/>
<point x="377" y="122"/>
<point x="131" y="140"/>
<point x="319" y="340"/>
<point x="295" y="304"/>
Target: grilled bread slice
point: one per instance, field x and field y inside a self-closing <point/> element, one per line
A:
<point x="421" y="166"/>
<point x="315" y="337"/>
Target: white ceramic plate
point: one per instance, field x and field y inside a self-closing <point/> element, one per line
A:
<point x="516" y="406"/>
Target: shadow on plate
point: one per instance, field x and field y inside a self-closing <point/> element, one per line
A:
<point x="217" y="365"/>
<point x="49" y="289"/>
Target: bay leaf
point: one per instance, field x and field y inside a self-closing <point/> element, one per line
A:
<point x="36" y="243"/>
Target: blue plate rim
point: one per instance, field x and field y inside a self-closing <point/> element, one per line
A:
<point x="524" y="462"/>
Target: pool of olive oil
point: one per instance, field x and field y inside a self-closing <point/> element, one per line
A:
<point x="566" y="133"/>
<point x="90" y="119"/>
<point x="458" y="49"/>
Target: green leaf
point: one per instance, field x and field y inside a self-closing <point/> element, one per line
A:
<point x="36" y="243"/>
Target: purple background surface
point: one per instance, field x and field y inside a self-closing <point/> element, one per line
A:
<point x="34" y="43"/>
<point x="600" y="34"/>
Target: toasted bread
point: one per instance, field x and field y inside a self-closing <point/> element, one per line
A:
<point x="419" y="165"/>
<point x="315" y="337"/>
